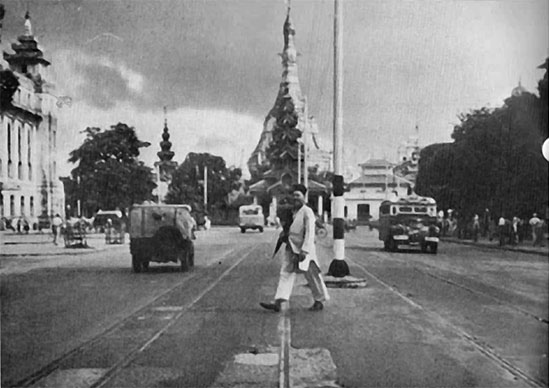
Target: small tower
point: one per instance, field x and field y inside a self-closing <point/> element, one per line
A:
<point x="165" y="167"/>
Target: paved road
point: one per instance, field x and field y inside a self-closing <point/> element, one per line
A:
<point x="465" y="317"/>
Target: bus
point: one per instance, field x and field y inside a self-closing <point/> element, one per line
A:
<point x="409" y="221"/>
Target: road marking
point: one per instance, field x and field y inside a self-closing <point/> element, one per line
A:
<point x="284" y="333"/>
<point x="486" y="350"/>
<point x="131" y="355"/>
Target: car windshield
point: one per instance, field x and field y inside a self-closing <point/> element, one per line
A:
<point x="250" y="212"/>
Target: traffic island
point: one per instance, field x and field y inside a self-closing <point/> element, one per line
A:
<point x="344" y="282"/>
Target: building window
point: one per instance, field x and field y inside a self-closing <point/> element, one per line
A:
<point x="20" y="171"/>
<point x="1" y="205"/>
<point x="22" y="212"/>
<point x="30" y="171"/>
<point x="12" y="205"/>
<point x="9" y="142"/>
<point x="19" y="145"/>
<point x="31" y="206"/>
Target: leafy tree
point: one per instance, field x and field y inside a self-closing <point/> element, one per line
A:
<point x="8" y="86"/>
<point x="187" y="185"/>
<point x="494" y="162"/>
<point x="109" y="174"/>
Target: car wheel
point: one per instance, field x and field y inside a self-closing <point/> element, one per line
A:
<point x="393" y="246"/>
<point x="145" y="266"/>
<point x="242" y="230"/>
<point x="260" y="230"/>
<point x="423" y="247"/>
<point x="434" y="248"/>
<point x="136" y="264"/>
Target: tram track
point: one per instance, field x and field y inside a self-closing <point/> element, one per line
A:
<point x="483" y="347"/>
<point x="238" y="254"/>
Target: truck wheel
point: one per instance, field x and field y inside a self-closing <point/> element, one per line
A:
<point x="434" y="248"/>
<point x="184" y="258"/>
<point x="242" y="230"/>
<point x="136" y="264"/>
<point x="145" y="266"/>
<point x="393" y="246"/>
<point x="261" y="230"/>
<point x="423" y="247"/>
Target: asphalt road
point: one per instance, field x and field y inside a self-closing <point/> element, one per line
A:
<point x="464" y="317"/>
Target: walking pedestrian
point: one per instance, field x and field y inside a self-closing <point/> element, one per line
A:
<point x="486" y="219"/>
<point x="534" y="221"/>
<point x="56" y="227"/>
<point x="300" y="256"/>
<point x="538" y="233"/>
<point x="476" y="227"/>
<point x="501" y="230"/>
<point x="515" y="231"/>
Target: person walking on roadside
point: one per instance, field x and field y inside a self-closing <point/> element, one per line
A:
<point x="56" y="227"/>
<point x="300" y="256"/>
<point x="515" y="231"/>
<point x="538" y="233"/>
<point x="476" y="227"/>
<point x="501" y="230"/>
<point x="534" y="221"/>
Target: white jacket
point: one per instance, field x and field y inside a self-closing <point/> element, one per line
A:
<point x="302" y="236"/>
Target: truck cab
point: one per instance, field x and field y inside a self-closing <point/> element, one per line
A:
<point x="409" y="221"/>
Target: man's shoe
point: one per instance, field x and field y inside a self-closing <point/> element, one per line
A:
<point x="271" y="306"/>
<point x="317" y="306"/>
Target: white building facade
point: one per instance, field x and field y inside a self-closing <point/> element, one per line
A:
<point x="376" y="184"/>
<point x="29" y="185"/>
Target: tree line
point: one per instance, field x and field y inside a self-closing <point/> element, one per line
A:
<point x="495" y="161"/>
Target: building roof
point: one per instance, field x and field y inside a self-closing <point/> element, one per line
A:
<point x="376" y="163"/>
<point x="378" y="179"/>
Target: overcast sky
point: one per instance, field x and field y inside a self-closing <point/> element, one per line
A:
<point x="215" y="65"/>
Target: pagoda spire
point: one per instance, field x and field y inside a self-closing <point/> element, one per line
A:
<point x="28" y="24"/>
<point x="165" y="154"/>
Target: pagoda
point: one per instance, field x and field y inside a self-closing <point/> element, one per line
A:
<point x="274" y="162"/>
<point x="165" y="167"/>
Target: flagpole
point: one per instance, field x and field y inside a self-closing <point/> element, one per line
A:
<point x="338" y="267"/>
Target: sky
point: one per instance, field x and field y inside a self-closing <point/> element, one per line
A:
<point x="214" y="64"/>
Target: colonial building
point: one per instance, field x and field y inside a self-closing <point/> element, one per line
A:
<point x="30" y="187"/>
<point x="276" y="178"/>
<point x="376" y="183"/>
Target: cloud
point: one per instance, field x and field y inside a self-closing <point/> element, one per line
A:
<point x="228" y="134"/>
<point x="98" y="81"/>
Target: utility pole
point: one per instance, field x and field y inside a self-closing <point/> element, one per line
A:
<point x="338" y="266"/>
<point x="306" y="151"/>
<point x="205" y="187"/>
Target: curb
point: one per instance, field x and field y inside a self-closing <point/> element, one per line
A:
<point x="522" y="250"/>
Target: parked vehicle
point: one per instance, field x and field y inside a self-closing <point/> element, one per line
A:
<point x="161" y="233"/>
<point x="103" y="216"/>
<point x="250" y="217"/>
<point x="409" y="221"/>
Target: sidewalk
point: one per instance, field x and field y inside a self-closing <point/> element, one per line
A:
<point x="524" y="247"/>
<point x="41" y="244"/>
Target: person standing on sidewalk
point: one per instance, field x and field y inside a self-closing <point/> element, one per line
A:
<point x="300" y="256"/>
<point x="56" y="227"/>
<point x="502" y="230"/>
<point x="476" y="227"/>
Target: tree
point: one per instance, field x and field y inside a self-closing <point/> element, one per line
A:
<point x="109" y="174"/>
<point x="187" y="185"/>
<point x="8" y="86"/>
<point x="494" y="162"/>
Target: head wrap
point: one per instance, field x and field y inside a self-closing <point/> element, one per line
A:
<point x="299" y="187"/>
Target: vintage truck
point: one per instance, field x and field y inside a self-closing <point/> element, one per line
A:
<point x="161" y="233"/>
<point x="250" y="217"/>
<point x="409" y="221"/>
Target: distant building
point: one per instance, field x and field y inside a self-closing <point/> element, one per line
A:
<point x="408" y="159"/>
<point x="29" y="183"/>
<point x="275" y="179"/>
<point x="376" y="183"/>
<point x="165" y="167"/>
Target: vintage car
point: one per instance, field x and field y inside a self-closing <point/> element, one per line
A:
<point x="161" y="233"/>
<point x="102" y="217"/>
<point x="250" y="217"/>
<point x="409" y="221"/>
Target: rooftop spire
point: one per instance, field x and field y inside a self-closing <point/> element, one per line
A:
<point x="28" y="25"/>
<point x="166" y="154"/>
